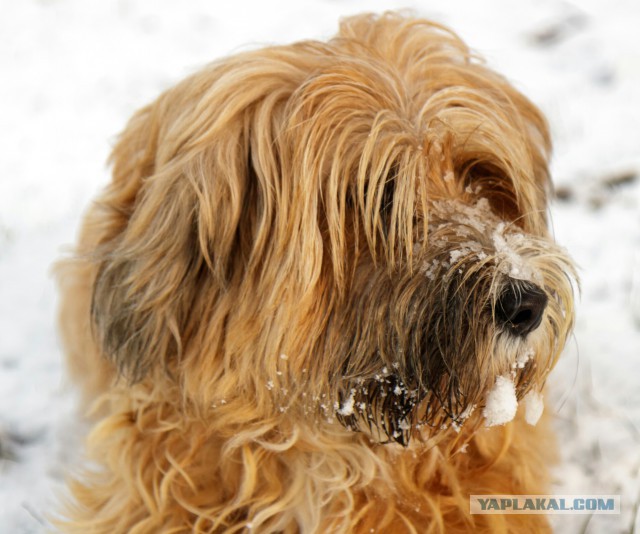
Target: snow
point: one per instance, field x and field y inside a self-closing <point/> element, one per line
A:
<point x="477" y="222"/>
<point x="523" y="358"/>
<point x="346" y="408"/>
<point x="534" y="406"/>
<point x="74" y="71"/>
<point x="511" y="263"/>
<point x="501" y="403"/>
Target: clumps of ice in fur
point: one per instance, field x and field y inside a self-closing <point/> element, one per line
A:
<point x="523" y="358"/>
<point x="533" y="407"/>
<point x="347" y="406"/>
<point x="486" y="234"/>
<point x="501" y="404"/>
<point x="512" y="263"/>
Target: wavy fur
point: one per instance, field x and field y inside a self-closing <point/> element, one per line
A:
<point x="283" y="248"/>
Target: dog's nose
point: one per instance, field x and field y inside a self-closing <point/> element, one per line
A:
<point x="520" y="307"/>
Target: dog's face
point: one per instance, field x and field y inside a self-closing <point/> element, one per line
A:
<point x="352" y="231"/>
<point x="479" y="298"/>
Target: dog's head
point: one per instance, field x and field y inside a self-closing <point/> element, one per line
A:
<point x="354" y="230"/>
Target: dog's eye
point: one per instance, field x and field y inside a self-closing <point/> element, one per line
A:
<point x="493" y="184"/>
<point x="378" y="201"/>
<point x="386" y="203"/>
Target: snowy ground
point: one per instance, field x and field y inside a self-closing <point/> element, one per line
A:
<point x="73" y="71"/>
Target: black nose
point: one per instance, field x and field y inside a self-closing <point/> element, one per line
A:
<point x="520" y="307"/>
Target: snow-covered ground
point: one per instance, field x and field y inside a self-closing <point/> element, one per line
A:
<point x="73" y="71"/>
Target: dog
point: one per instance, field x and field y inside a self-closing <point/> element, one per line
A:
<point x="314" y="294"/>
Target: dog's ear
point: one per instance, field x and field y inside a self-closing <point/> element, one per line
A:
<point x="148" y="255"/>
<point x="186" y="171"/>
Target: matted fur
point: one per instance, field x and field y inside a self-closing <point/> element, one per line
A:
<point x="285" y="302"/>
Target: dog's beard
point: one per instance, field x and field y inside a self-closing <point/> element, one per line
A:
<point x="421" y="348"/>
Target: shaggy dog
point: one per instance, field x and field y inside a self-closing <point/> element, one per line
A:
<point x="314" y="292"/>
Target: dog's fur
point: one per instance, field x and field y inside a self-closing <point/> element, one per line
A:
<point x="285" y="303"/>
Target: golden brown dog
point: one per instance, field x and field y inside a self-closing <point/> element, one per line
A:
<point x="314" y="292"/>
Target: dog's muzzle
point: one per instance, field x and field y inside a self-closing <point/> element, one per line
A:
<point x="520" y="307"/>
